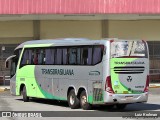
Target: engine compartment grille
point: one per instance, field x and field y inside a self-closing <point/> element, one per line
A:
<point x="97" y="92"/>
<point x="129" y="70"/>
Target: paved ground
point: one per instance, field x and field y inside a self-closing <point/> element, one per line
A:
<point x="15" y="103"/>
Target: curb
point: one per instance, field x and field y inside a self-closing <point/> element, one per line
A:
<point x="3" y="89"/>
<point x="154" y="86"/>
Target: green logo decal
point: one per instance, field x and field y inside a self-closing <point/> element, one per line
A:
<point x="94" y="73"/>
<point x="58" y="71"/>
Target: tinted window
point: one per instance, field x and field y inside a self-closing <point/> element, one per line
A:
<point x="59" y="57"/>
<point x="72" y="56"/>
<point x="65" y="56"/>
<point x="49" y="56"/>
<point x="97" y="54"/>
<point x="80" y="55"/>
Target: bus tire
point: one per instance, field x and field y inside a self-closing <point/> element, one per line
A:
<point x="72" y="99"/>
<point x="121" y="106"/>
<point x="83" y="101"/>
<point x="24" y="94"/>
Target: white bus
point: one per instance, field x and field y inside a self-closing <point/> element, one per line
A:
<point x="84" y="72"/>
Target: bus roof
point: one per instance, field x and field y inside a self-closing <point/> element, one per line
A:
<point x="63" y="42"/>
<point x="67" y="41"/>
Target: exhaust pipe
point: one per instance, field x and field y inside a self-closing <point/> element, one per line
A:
<point x="115" y="100"/>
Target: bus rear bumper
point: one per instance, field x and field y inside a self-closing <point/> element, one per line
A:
<point x="125" y="98"/>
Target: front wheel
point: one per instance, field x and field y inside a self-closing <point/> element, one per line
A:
<point x="24" y="94"/>
<point x="83" y="101"/>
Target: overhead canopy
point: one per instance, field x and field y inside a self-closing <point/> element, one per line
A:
<point x="79" y="6"/>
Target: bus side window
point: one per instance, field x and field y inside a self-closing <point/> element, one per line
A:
<point x="72" y="56"/>
<point x="35" y="57"/>
<point x="40" y="57"/>
<point x="97" y="54"/>
<point x="89" y="61"/>
<point x="78" y="56"/>
<point x="65" y="56"/>
<point x="87" y="56"/>
<point x="49" y="56"/>
<point x="30" y="57"/>
<point x="59" y="56"/>
<point x="84" y="56"/>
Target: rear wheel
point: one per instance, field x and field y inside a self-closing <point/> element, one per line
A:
<point x="73" y="101"/>
<point x="83" y="101"/>
<point x="121" y="106"/>
<point x="24" y="94"/>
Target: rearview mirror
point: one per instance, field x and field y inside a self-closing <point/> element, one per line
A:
<point x="7" y="61"/>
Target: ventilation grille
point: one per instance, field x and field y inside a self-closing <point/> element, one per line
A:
<point x="129" y="70"/>
<point x="97" y="92"/>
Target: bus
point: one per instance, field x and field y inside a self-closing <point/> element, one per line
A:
<point x="111" y="72"/>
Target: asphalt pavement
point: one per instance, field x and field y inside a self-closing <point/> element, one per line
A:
<point x="15" y="103"/>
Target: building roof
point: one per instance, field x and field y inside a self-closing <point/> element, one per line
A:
<point x="79" y="6"/>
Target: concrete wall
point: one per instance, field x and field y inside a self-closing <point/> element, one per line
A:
<point x="138" y="29"/>
<point x="63" y="29"/>
<point x="13" y="32"/>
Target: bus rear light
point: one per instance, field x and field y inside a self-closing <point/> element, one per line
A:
<point x="111" y="41"/>
<point x="147" y="84"/>
<point x="108" y="85"/>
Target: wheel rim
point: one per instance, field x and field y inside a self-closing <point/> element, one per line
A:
<point x="72" y="99"/>
<point x="83" y="100"/>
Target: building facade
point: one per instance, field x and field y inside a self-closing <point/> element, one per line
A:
<point x="22" y="20"/>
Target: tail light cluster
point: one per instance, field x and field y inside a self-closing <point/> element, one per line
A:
<point x="108" y="85"/>
<point x="147" y="84"/>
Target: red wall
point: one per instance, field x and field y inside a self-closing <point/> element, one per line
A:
<point x="79" y="6"/>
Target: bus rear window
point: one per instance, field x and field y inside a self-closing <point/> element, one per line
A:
<point x="129" y="49"/>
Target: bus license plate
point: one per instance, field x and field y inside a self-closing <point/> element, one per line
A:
<point x="129" y="97"/>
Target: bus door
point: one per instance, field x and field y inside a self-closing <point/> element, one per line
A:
<point x="26" y="73"/>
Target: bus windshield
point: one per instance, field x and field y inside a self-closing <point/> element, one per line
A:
<point x="128" y="49"/>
